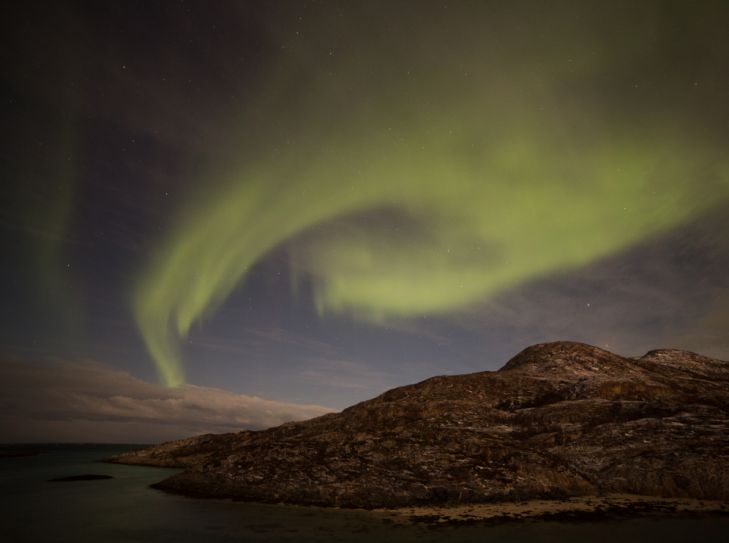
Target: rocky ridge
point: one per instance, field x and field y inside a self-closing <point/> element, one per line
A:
<point x="559" y="420"/>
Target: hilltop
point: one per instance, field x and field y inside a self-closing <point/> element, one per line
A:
<point x="558" y="420"/>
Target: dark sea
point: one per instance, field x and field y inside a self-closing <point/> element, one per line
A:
<point x="125" y="509"/>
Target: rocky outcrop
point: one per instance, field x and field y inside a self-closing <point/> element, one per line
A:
<point x="559" y="419"/>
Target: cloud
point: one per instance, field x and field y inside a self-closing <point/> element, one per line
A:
<point x="92" y="402"/>
<point x="344" y="374"/>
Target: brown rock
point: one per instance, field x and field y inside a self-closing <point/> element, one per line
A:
<point x="559" y="419"/>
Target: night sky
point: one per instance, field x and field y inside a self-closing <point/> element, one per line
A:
<point x="219" y="215"/>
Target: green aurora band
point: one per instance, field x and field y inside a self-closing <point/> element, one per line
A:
<point x="495" y="173"/>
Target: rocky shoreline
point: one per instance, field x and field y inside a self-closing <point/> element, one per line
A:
<point x="576" y="509"/>
<point x="564" y="423"/>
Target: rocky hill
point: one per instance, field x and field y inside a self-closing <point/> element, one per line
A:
<point x="559" y="419"/>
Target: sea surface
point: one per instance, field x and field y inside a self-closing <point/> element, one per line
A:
<point x="125" y="509"/>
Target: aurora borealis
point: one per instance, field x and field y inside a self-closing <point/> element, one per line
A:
<point x="476" y="230"/>
<point x="299" y="200"/>
<point x="496" y="178"/>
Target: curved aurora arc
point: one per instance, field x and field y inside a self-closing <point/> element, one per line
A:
<point x="495" y="189"/>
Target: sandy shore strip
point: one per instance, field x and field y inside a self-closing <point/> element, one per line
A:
<point x="583" y="508"/>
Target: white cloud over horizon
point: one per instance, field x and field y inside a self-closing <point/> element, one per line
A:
<point x="87" y="401"/>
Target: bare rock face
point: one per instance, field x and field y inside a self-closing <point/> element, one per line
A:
<point x="559" y="419"/>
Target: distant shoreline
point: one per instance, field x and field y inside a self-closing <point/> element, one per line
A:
<point x="22" y="450"/>
<point x="20" y="453"/>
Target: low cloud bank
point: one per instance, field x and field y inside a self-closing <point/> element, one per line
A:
<point x="92" y="402"/>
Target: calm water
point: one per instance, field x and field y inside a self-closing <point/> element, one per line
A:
<point x="125" y="509"/>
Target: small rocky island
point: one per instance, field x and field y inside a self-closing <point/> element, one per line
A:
<point x="85" y="477"/>
<point x="558" y="421"/>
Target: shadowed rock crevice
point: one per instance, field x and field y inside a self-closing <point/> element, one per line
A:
<point x="559" y="419"/>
